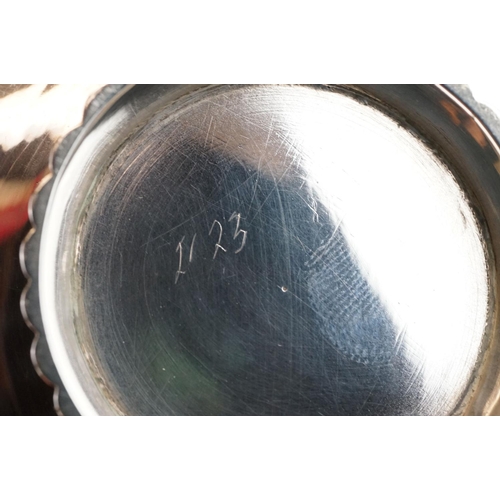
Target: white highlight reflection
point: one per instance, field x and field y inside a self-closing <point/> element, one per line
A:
<point x="404" y="216"/>
<point x="409" y="226"/>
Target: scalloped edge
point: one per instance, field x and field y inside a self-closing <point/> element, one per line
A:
<point x="62" y="151"/>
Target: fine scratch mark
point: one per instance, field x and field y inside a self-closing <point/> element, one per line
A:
<point x="208" y="131"/>
<point x="320" y="251"/>
<point x="202" y="211"/>
<point x="253" y="193"/>
<point x="275" y="187"/>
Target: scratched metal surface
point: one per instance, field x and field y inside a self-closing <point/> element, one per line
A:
<point x="273" y="251"/>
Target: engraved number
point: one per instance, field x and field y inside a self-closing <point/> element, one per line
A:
<point x="179" y="251"/>
<point x="217" y="245"/>
<point x="238" y="231"/>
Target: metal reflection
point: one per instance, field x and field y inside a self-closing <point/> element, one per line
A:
<point x="258" y="250"/>
<point x="33" y="118"/>
<point x="361" y="288"/>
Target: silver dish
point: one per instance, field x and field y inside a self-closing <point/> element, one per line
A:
<point x="270" y="250"/>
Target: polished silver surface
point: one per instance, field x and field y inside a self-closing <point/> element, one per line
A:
<point x="262" y="250"/>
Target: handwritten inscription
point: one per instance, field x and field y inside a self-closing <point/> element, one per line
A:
<point x="191" y="249"/>
<point x="179" y="251"/>
<point x="216" y="229"/>
<point x="217" y="245"/>
<point x="238" y="231"/>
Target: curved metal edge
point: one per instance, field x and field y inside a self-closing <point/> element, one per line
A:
<point x="489" y="124"/>
<point x="488" y="118"/>
<point x="29" y="250"/>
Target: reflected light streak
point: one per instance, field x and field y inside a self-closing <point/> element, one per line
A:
<point x="409" y="226"/>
